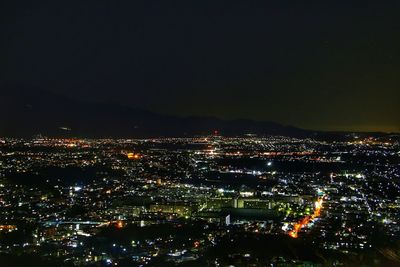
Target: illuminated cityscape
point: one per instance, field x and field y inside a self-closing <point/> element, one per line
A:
<point x="200" y="133"/>
<point x="203" y="201"/>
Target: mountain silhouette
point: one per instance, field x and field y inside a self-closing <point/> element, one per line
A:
<point x="27" y="111"/>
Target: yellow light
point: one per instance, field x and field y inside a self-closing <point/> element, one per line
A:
<point x="133" y="156"/>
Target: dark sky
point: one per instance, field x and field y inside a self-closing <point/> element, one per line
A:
<point x="314" y="64"/>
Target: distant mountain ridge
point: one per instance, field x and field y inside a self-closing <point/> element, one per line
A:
<point x="27" y="111"/>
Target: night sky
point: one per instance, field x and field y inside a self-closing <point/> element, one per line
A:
<point x="313" y="64"/>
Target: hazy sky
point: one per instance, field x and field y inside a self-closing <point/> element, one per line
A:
<point x="315" y="64"/>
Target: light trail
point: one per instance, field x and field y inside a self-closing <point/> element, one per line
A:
<point x="317" y="212"/>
